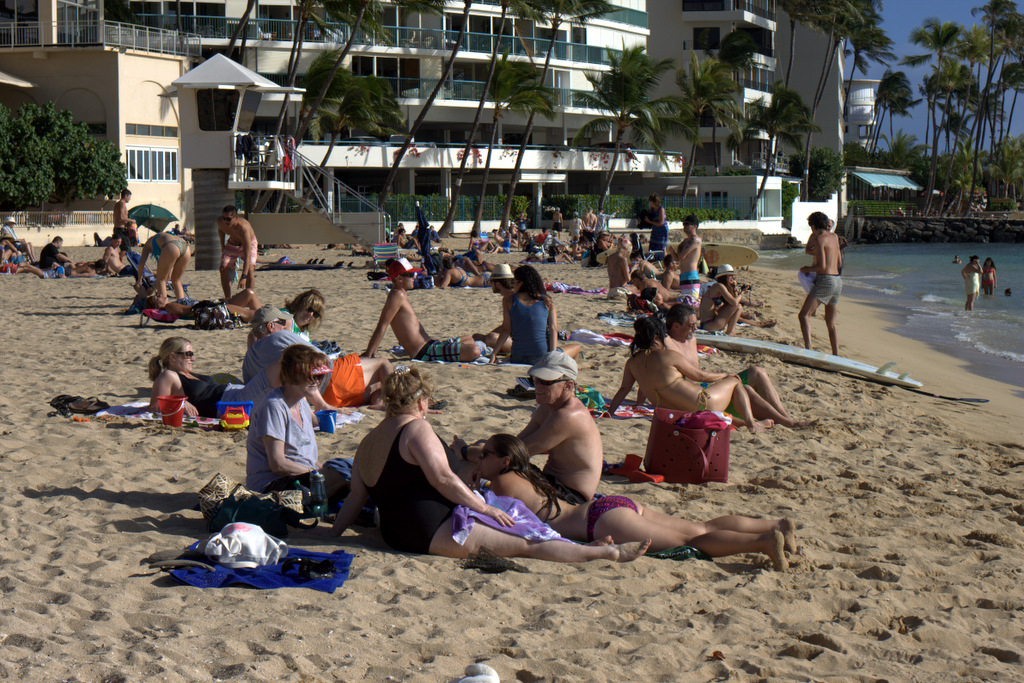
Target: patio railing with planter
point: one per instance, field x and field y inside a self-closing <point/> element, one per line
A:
<point x="881" y="209"/>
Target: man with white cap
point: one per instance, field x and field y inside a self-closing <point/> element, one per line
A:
<point x="562" y="427"/>
<point x="399" y="316"/>
<point x="501" y="283"/>
<point x="24" y="247"/>
<point x="719" y="308"/>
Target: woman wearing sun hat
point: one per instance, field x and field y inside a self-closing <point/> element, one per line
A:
<point x="719" y="308"/>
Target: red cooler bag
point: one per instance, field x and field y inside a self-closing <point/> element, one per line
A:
<point x="686" y="456"/>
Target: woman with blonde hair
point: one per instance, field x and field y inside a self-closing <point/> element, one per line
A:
<point x="426" y="508"/>
<point x="172" y="375"/>
<point x="307" y="311"/>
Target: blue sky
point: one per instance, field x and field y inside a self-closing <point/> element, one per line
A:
<point x="899" y="18"/>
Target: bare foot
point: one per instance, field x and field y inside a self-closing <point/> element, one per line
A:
<point x="761" y="426"/>
<point x="627" y="552"/>
<point x="775" y="552"/>
<point x="798" y="424"/>
<point x="607" y="540"/>
<point x="788" y="529"/>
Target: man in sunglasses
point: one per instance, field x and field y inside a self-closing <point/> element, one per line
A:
<point x="562" y="427"/>
<point x="398" y="314"/>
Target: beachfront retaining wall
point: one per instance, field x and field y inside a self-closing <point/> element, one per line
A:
<point x="877" y="230"/>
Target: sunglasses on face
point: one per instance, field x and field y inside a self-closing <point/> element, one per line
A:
<point x="187" y="354"/>
<point x="315" y="314"/>
<point x="549" y="382"/>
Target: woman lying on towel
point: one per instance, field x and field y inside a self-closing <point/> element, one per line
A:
<point x="452" y="275"/>
<point x="505" y="462"/>
<point x="171" y="372"/>
<point x="426" y="508"/>
<point x="244" y="304"/>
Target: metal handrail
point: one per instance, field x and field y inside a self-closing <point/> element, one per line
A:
<point x="76" y="33"/>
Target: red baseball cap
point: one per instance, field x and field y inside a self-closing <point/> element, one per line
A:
<point x="401" y="266"/>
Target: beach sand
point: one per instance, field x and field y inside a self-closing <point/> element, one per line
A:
<point x="911" y="509"/>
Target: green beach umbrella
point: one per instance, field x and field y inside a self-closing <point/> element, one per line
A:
<point x="152" y="216"/>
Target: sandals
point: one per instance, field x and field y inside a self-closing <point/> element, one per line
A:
<point x="519" y="391"/>
<point x="87" y="406"/>
<point x="60" y="404"/>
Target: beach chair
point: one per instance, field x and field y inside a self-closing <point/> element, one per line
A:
<point x="382" y="252"/>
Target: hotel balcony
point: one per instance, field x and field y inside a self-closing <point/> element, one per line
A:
<point x="108" y="34"/>
<point x="547" y="160"/>
<point x="400" y="38"/>
<point x="753" y="12"/>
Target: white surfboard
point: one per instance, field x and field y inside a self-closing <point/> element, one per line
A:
<point x="814" y="359"/>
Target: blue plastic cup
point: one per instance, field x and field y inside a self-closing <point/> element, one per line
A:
<point x="326" y="418"/>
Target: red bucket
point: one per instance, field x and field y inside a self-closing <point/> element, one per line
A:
<point x="172" y="409"/>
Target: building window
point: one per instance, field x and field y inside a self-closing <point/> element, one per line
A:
<point x="706" y="38"/>
<point x="216" y="109"/>
<point x="152" y="164"/>
<point x="153" y="131"/>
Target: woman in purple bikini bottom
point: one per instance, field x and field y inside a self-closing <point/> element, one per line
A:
<point x="505" y="462"/>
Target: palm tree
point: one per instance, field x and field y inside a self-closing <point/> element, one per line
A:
<point x="520" y="8"/>
<point x="938" y="38"/>
<point x="894" y="97"/>
<point x="516" y="87"/>
<point x="556" y="12"/>
<point x="438" y="7"/>
<point x="868" y="42"/>
<point x="1008" y="166"/>
<point x="709" y="91"/>
<point x="366" y="103"/>
<point x="903" y="150"/>
<point x="623" y="94"/>
<point x="802" y="12"/>
<point x="783" y="118"/>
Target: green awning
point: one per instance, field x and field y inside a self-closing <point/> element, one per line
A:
<point x="897" y="182"/>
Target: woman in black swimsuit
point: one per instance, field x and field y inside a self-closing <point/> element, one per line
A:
<point x="411" y="476"/>
<point x="171" y="372"/>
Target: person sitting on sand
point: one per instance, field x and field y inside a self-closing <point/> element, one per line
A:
<point x="562" y="427"/>
<point x="670" y="274"/>
<point x="502" y="283"/>
<point x="114" y="256"/>
<point x="714" y="300"/>
<point x="307" y="310"/>
<point x="172" y="375"/>
<point x="22" y="246"/>
<point x="425" y="507"/>
<point x="602" y="243"/>
<point x="660" y="374"/>
<point x="172" y="255"/>
<point x="618" y="264"/>
<point x="680" y="324"/>
<point x="642" y="282"/>
<point x="280" y="448"/>
<point x="530" y="318"/>
<point x="51" y="255"/>
<point x="354" y="380"/>
<point x="720" y="309"/>
<point x="244" y="304"/>
<point x="397" y="314"/>
<point x="452" y="275"/>
<point x="505" y="463"/>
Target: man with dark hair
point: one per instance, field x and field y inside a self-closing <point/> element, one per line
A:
<point x="51" y="255"/>
<point x="123" y="225"/>
<point x="687" y="255"/>
<point x="237" y="239"/>
<point x="828" y="284"/>
<point x="681" y="323"/>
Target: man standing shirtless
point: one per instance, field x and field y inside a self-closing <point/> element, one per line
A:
<point x="687" y="255"/>
<point x="398" y="314"/>
<point x="563" y="428"/>
<point x="681" y="323"/>
<point x="123" y="225"/>
<point x="237" y="239"/>
<point x="828" y="284"/>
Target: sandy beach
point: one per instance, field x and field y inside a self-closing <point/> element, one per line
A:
<point x="911" y="508"/>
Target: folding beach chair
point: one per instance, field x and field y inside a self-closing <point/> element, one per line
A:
<point x="382" y="252"/>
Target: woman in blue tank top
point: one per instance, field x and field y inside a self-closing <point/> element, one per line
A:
<point x="530" y="318"/>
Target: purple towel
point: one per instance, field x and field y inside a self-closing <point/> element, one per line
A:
<point x="269" y="576"/>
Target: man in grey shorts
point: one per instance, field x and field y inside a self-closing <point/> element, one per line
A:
<point x="828" y="285"/>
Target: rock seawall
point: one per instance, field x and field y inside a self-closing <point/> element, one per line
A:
<point x="878" y="230"/>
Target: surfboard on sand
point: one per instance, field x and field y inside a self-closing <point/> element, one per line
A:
<point x="814" y="359"/>
<point x="733" y="254"/>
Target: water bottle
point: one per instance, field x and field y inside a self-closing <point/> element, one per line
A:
<point x="317" y="495"/>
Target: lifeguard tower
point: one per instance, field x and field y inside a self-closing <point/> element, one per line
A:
<point x="218" y="102"/>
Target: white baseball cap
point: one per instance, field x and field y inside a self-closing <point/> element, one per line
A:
<point x="245" y="546"/>
<point x="9" y="219"/>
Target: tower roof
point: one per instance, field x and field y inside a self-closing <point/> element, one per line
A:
<point x="218" y="71"/>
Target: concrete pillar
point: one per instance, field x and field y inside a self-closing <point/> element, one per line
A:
<point x="412" y="181"/>
<point x="211" y="193"/>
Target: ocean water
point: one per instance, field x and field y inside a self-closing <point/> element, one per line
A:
<point x="922" y="290"/>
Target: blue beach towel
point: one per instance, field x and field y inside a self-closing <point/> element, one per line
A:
<point x="269" y="576"/>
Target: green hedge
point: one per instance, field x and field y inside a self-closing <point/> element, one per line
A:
<point x="882" y="209"/>
<point x="676" y="214"/>
<point x="1002" y="204"/>
<point x="790" y="191"/>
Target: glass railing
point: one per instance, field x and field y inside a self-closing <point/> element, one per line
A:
<point x="108" y="33"/>
<point x="630" y="17"/>
<point x="395" y="36"/>
<point x="762" y="8"/>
